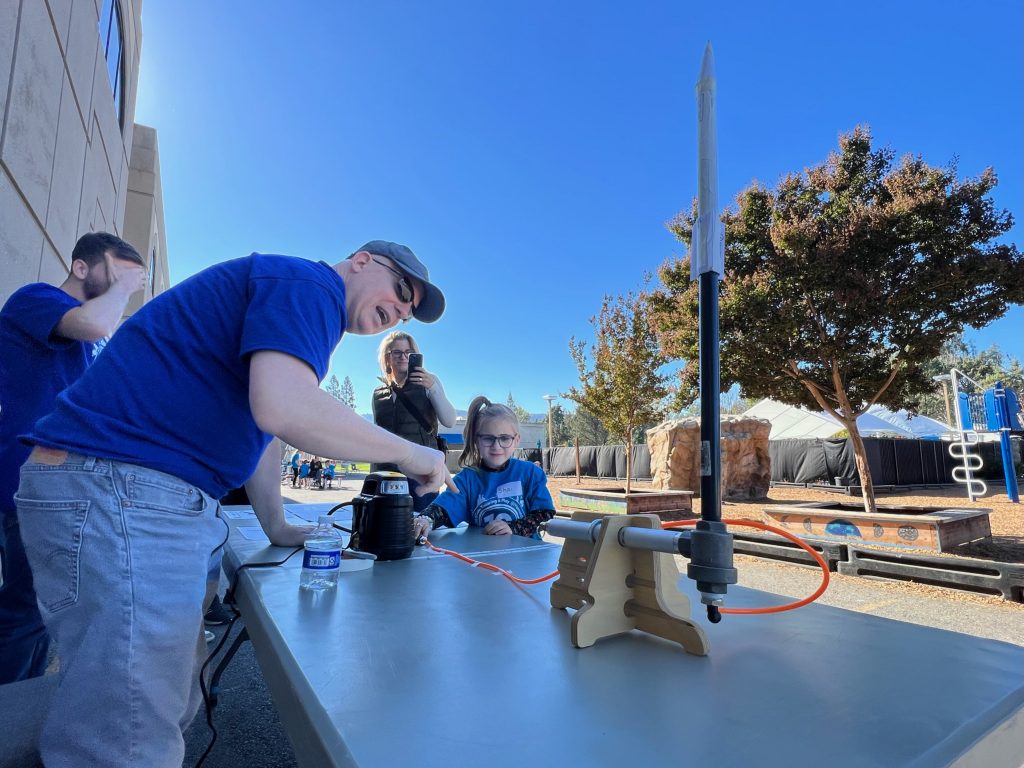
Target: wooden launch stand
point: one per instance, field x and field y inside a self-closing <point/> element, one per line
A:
<point x="615" y="589"/>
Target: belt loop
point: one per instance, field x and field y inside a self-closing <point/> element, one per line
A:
<point x="89" y="463"/>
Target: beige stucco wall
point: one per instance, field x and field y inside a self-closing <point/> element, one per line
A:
<point x="144" y="212"/>
<point x="64" y="158"/>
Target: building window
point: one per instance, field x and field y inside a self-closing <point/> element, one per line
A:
<point x="111" y="39"/>
<point x="152" y="273"/>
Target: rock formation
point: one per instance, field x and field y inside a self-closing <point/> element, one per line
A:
<point x="746" y="467"/>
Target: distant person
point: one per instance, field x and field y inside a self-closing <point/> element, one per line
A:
<point x="329" y="473"/>
<point x="496" y="492"/>
<point x="410" y="405"/>
<point x="295" y="467"/>
<point x="315" y="468"/>
<point x="48" y="337"/>
<point x="304" y="474"/>
<point x="184" y="404"/>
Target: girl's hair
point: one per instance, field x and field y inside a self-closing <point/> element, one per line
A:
<point x="384" y="353"/>
<point x="481" y="411"/>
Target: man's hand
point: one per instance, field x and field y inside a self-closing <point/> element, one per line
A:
<point x="425" y="467"/>
<point x="287" y="535"/>
<point x="124" y="276"/>
<point x="498" y="528"/>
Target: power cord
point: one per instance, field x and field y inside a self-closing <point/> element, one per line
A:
<point x="229" y="600"/>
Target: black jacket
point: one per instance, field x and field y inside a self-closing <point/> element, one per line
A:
<point x="390" y="413"/>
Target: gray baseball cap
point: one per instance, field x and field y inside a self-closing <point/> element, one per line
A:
<point x="431" y="305"/>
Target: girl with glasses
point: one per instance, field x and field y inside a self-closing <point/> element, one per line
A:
<point x="410" y="404"/>
<point x="499" y="493"/>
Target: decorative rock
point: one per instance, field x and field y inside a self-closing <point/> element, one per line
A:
<point x="746" y="467"/>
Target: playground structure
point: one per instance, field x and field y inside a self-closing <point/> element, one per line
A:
<point x="994" y="410"/>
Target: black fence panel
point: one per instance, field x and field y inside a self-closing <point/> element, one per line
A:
<point x="641" y="462"/>
<point x="839" y="461"/>
<point x="909" y="461"/>
<point x="815" y="460"/>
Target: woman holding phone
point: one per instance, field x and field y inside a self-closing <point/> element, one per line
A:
<point x="411" y="403"/>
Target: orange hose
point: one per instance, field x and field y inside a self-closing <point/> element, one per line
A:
<point x="490" y="567"/>
<point x="680" y="524"/>
<point x="786" y="535"/>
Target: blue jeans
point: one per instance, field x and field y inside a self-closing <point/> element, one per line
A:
<point x="23" y="640"/>
<point x="121" y="557"/>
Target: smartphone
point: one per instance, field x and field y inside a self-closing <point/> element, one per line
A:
<point x="415" y="363"/>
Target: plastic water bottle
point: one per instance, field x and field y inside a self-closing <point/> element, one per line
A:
<point x="321" y="560"/>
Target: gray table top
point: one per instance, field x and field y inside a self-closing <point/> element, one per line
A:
<point x="429" y="661"/>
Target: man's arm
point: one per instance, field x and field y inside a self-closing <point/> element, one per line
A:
<point x="97" y="318"/>
<point x="264" y="491"/>
<point x="287" y="402"/>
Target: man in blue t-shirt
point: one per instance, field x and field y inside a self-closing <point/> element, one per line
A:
<point x="186" y="402"/>
<point x="48" y="336"/>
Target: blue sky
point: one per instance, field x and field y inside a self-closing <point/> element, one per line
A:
<point x="531" y="152"/>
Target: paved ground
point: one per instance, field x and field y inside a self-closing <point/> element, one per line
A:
<point x="251" y="733"/>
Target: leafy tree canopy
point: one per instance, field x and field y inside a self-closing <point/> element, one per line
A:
<point x="843" y="281"/>
<point x="521" y="413"/>
<point x="624" y="388"/>
<point x="348" y="393"/>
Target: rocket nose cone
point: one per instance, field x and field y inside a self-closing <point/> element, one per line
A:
<point x="707" y="66"/>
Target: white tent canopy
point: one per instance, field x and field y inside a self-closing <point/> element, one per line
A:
<point x="792" y="422"/>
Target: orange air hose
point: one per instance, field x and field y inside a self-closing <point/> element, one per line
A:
<point x="680" y="524"/>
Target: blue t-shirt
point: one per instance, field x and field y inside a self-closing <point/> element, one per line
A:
<point x="486" y="495"/>
<point x="35" y="365"/>
<point x="171" y="389"/>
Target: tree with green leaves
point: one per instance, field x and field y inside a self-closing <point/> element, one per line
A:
<point x="521" y="413"/>
<point x="343" y="391"/>
<point x="333" y="388"/>
<point x="585" y="426"/>
<point x="844" y="280"/>
<point x="561" y="435"/>
<point x="348" y="393"/>
<point x="986" y="367"/>
<point x="623" y="386"/>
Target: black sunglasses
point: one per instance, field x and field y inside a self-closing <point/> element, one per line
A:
<point x="403" y="288"/>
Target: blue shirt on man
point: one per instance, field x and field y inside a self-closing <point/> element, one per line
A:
<point x="35" y="365"/>
<point x="171" y="389"/>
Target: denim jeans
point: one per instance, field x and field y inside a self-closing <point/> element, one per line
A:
<point x="23" y="639"/>
<point x="120" y="555"/>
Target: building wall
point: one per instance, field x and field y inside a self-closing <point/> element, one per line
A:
<point x="144" y="213"/>
<point x="64" y="149"/>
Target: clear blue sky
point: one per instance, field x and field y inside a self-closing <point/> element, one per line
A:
<point x="531" y="152"/>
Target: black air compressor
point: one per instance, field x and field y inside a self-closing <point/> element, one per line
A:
<point x="382" y="517"/>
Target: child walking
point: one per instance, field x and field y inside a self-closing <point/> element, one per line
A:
<point x="498" y="493"/>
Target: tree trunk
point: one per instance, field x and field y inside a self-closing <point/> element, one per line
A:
<point x="861" y="455"/>
<point x="629" y="461"/>
<point x="577" y="459"/>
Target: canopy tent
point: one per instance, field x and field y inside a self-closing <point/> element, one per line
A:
<point x="792" y="422"/>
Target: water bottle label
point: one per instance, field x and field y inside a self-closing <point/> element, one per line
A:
<point x="321" y="561"/>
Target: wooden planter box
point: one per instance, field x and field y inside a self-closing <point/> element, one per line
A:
<point x="668" y="505"/>
<point x="933" y="528"/>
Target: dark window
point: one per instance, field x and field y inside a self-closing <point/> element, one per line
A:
<point x="111" y="41"/>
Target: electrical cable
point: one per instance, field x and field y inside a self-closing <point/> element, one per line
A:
<point x="679" y="524"/>
<point x="229" y="600"/>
